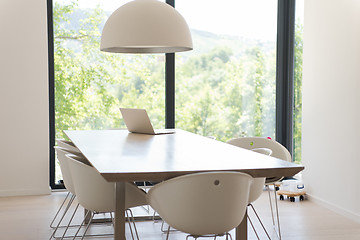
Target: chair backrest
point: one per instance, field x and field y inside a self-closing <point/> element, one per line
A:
<point x="265" y="151"/>
<point x="95" y="193"/>
<point x="257" y="185"/>
<point x="65" y="171"/>
<point x="202" y="203"/>
<point x="277" y="150"/>
<point x="68" y="145"/>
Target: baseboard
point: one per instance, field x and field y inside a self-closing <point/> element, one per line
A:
<point x="333" y="207"/>
<point x="24" y="192"/>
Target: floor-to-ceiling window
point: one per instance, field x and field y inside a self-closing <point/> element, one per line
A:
<point x="90" y="85"/>
<point x="225" y="87"/>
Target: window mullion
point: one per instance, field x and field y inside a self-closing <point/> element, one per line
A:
<point x="285" y="73"/>
<point x="170" y="85"/>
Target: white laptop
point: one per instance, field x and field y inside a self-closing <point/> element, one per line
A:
<point x="137" y="121"/>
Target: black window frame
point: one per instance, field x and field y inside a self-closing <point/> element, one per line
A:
<point x="285" y="73"/>
<point x="284" y="81"/>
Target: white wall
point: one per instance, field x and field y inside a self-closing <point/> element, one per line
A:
<point x="331" y="99"/>
<point x="24" y="154"/>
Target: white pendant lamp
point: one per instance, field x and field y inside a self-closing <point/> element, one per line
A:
<point x="146" y="26"/>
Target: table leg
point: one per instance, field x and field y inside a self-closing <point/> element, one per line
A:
<point x="119" y="211"/>
<point x="241" y="230"/>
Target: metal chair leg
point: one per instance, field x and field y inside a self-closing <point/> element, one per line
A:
<point x="228" y="234"/>
<point x="277" y="212"/>
<point x="68" y="205"/>
<point x="66" y="209"/>
<point x="278" y="232"/>
<point x="72" y="216"/>
<point x="90" y="219"/>
<point x="129" y="222"/>
<point x="82" y="223"/>
<point x="162" y="227"/>
<point x="58" y="211"/>
<point x="168" y="233"/>
<point x="262" y="225"/>
<point x="133" y="221"/>
<point x="88" y="225"/>
<point x="253" y="227"/>
<point x="130" y="218"/>
<point x="112" y="219"/>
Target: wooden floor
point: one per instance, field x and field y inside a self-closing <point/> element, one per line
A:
<point x="26" y="218"/>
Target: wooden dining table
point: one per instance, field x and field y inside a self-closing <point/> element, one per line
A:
<point x="120" y="157"/>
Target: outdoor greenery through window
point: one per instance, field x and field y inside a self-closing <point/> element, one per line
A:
<point x="225" y="87"/>
<point x="298" y="62"/>
<point x="91" y="85"/>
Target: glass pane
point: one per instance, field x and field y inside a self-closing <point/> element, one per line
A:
<point x="91" y="85"/>
<point x="299" y="23"/>
<point x="225" y="87"/>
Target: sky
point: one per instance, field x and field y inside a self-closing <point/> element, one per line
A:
<point x="246" y="18"/>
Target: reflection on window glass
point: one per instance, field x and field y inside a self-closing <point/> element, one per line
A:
<point x="225" y="87"/>
<point x="91" y="85"/>
<point x="299" y="23"/>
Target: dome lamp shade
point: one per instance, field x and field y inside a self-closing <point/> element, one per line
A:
<point x="146" y="26"/>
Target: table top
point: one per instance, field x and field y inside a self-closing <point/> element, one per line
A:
<point x="122" y="156"/>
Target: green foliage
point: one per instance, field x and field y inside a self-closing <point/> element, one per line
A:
<point x="298" y="53"/>
<point x="90" y="85"/>
<point x="218" y="94"/>
<point x="225" y="92"/>
<point x="81" y="83"/>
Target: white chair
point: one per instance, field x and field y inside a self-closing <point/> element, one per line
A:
<point x="202" y="204"/>
<point x="70" y="148"/>
<point x="68" y="145"/>
<point x="60" y="153"/>
<point x="258" y="144"/>
<point x="256" y="190"/>
<point x="265" y="151"/>
<point x="97" y="195"/>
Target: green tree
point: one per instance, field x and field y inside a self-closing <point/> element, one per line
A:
<point x="298" y="53"/>
<point x="91" y="85"/>
<point x="232" y="101"/>
<point x="258" y="81"/>
<point x="81" y="81"/>
<point x="200" y="90"/>
<point x="234" y="87"/>
<point x="223" y="92"/>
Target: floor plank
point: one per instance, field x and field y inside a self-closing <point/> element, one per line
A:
<point x="29" y="218"/>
